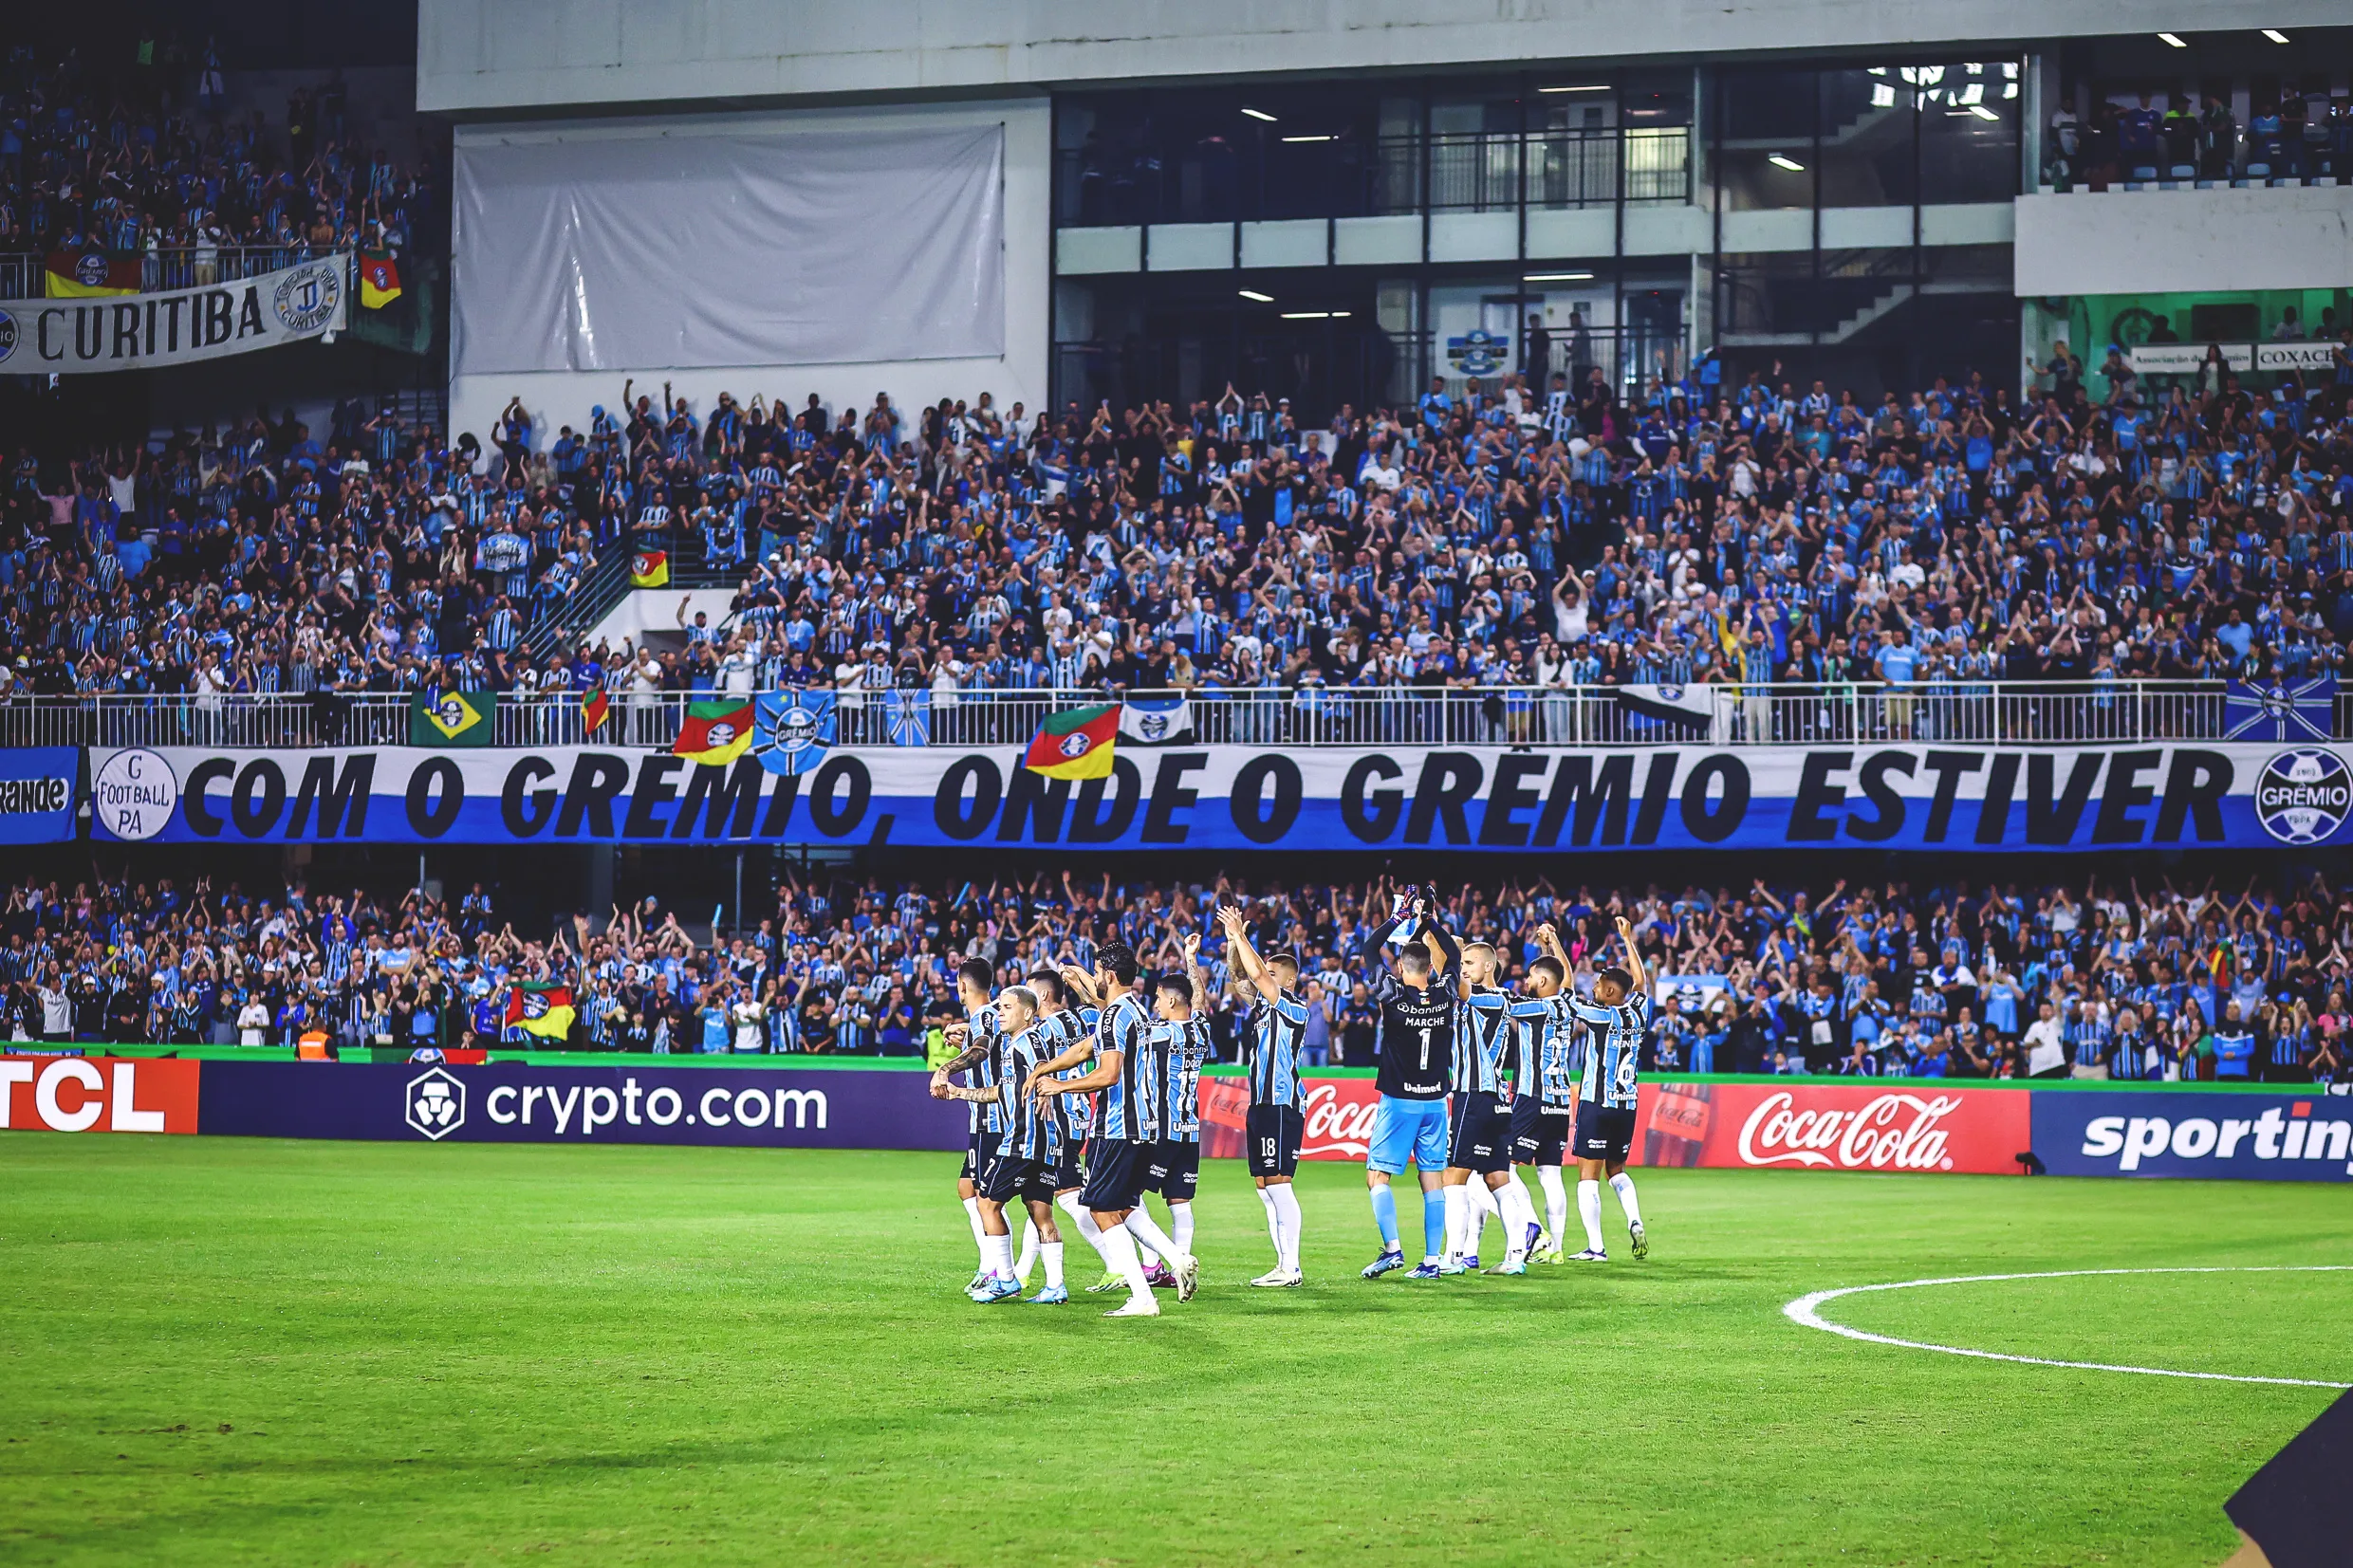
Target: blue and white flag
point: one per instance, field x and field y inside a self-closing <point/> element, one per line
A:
<point x="1157" y="721"/>
<point x="910" y="714"/>
<point x="2281" y="711"/>
<point x="790" y="730"/>
<point x="1687" y="708"/>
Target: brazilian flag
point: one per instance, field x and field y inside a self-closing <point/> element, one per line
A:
<point x="448" y="718"/>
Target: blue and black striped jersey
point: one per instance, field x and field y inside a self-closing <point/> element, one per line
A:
<point x="1276" y="1031"/>
<point x="981" y="1029"/>
<point x="1182" y="1049"/>
<point x="1613" y="1047"/>
<point x="1035" y="1129"/>
<point x="1062" y="1030"/>
<point x="1552" y="1030"/>
<point x="1130" y="1110"/>
<point x="1482" y="1037"/>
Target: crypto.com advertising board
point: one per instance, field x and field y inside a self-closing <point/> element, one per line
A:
<point x="1888" y="1126"/>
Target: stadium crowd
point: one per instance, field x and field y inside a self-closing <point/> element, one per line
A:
<point x="2089" y="978"/>
<point x="2108" y="529"/>
<point x="139" y="158"/>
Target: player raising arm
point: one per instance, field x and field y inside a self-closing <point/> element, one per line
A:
<point x="1415" y="1051"/>
<point x="1276" y="1122"/>
<point x="1615" y="1023"/>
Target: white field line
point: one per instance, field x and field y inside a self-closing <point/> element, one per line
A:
<point x="1806" y="1311"/>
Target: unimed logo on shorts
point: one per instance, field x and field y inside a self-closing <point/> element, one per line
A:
<point x="73" y="1094"/>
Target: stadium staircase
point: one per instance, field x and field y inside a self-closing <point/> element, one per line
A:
<point x="600" y="592"/>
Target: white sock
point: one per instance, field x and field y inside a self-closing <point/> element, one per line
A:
<point x="1029" y="1251"/>
<point x="1512" y="1200"/>
<point x="1180" y="1226"/>
<point x="1286" y="1239"/>
<point x="1000" y="1256"/>
<point x="980" y="1232"/>
<point x="1589" y="1210"/>
<point x="1458" y="1221"/>
<point x="1051" y="1253"/>
<point x="1556" y="1201"/>
<point x="1146" y="1230"/>
<point x="1090" y="1231"/>
<point x="1274" y="1222"/>
<point x="1482" y="1205"/>
<point x="1527" y="1199"/>
<point x="1119" y="1250"/>
<point x="1623" y="1185"/>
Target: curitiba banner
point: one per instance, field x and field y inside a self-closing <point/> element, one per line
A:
<point x="182" y="326"/>
<point x="1926" y="1126"/>
<point x="1894" y="795"/>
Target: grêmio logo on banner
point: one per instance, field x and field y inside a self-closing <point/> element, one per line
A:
<point x="1896" y="796"/>
<point x="180" y="326"/>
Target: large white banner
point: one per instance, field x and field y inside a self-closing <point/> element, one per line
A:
<point x="143" y="331"/>
<point x="616" y="253"/>
<point x="1892" y="795"/>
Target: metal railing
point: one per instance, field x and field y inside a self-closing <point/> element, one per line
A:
<point x="21" y="273"/>
<point x="2072" y="713"/>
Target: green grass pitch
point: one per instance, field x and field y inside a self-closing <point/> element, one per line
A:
<point x="250" y="1352"/>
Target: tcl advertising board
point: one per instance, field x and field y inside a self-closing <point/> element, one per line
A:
<point x="75" y="1093"/>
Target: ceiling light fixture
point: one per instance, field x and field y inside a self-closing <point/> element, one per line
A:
<point x="1253" y="294"/>
<point x="1311" y="139"/>
<point x="1598" y="88"/>
<point x="2275" y="35"/>
<point x="1260" y="114"/>
<point x="1982" y="112"/>
<point x="1557" y="277"/>
<point x="2173" y="39"/>
<point x="1782" y="160"/>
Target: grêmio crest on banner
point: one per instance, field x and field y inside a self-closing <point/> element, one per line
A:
<point x="181" y="326"/>
<point x="1896" y="796"/>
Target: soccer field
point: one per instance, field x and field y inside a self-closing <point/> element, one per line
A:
<point x="226" y="1350"/>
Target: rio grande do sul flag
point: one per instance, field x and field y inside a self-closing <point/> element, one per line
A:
<point x="1075" y="742"/>
<point x="716" y="731"/>
<point x="543" y="1010"/>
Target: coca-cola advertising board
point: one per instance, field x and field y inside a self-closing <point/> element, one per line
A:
<point x="1339" y="1114"/>
<point x="1911" y="1125"/>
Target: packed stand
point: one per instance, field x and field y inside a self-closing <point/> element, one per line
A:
<point x="263" y="560"/>
<point x="2084" y="978"/>
<point x="2108" y="529"/>
<point x="138" y="157"/>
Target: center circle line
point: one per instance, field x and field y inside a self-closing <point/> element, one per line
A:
<point x="1806" y="1312"/>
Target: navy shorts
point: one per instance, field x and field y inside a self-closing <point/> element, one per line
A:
<point x="1539" y="1134"/>
<point x="1482" y="1134"/>
<point x="973" y="1158"/>
<point x="1114" y="1174"/>
<point x="1175" y="1170"/>
<point x="1054" y="1177"/>
<point x="1001" y="1176"/>
<point x="1273" y="1133"/>
<point x="1006" y="1177"/>
<point x="1604" y="1134"/>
